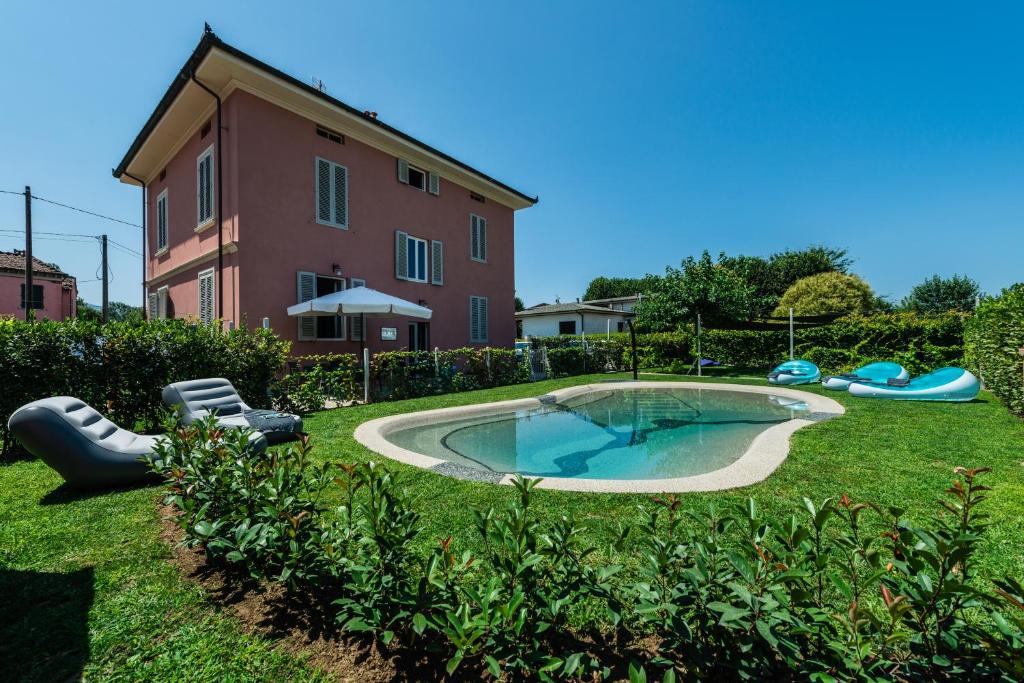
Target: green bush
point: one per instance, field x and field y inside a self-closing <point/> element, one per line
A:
<point x="409" y="374"/>
<point x="318" y="378"/>
<point x="121" y="368"/>
<point x="992" y="339"/>
<point x="839" y="590"/>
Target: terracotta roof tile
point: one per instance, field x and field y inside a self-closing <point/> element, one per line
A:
<point x="15" y="261"/>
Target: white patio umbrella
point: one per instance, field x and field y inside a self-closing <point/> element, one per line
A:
<point x="361" y="301"/>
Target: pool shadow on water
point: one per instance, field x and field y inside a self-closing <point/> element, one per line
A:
<point x="44" y="631"/>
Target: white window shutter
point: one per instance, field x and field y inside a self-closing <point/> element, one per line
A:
<point x="482" y="331"/>
<point x="355" y="327"/>
<point x="403" y="171"/>
<point x="161" y="303"/>
<point x="433" y="183"/>
<point x="323" y="191"/>
<point x="340" y="195"/>
<point x="482" y="237"/>
<point x="206" y="295"/>
<point x="154" y="312"/>
<point x="401" y="255"/>
<point x="306" y="285"/>
<point x="436" y="262"/>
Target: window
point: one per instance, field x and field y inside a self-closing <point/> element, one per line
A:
<point x="329" y="134"/>
<point x="410" y="257"/>
<point x="161" y="222"/>
<point x="566" y="327"/>
<point x="152" y="305"/>
<point x="331" y="194"/>
<point x="355" y="322"/>
<point x="478" y="319"/>
<point x="477" y="238"/>
<point x="37" y="296"/>
<point x="204" y="186"/>
<point x="162" y="298"/>
<point x="328" y="327"/>
<point x="419" y="336"/>
<point x="436" y="262"/>
<point x="425" y="181"/>
<point x="206" y="295"/>
<point x="621" y="326"/>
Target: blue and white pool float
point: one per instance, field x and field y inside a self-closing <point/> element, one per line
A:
<point x="945" y="384"/>
<point x="795" y="372"/>
<point x="872" y="372"/>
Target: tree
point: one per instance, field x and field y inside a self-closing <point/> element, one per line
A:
<point x="117" y="311"/>
<point x="938" y="295"/>
<point x="611" y="287"/>
<point x="519" y="305"/>
<point x="769" y="278"/>
<point x="699" y="286"/>
<point x="827" y="293"/>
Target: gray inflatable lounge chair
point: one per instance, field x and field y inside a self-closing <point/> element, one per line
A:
<point x="197" y="398"/>
<point x="87" y="449"/>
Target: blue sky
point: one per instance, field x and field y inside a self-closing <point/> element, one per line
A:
<point x="651" y="131"/>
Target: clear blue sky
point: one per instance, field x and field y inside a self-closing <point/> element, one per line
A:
<point x="651" y="131"/>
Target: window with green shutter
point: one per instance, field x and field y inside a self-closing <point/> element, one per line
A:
<point x="331" y="193"/>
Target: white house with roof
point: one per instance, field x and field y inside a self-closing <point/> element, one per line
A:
<point x="549" y="320"/>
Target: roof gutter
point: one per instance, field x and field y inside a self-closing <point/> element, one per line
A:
<point x="220" y="201"/>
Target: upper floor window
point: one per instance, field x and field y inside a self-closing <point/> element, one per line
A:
<point x="161" y="221"/>
<point x="330" y="135"/>
<point x="331" y="193"/>
<point x="426" y="181"/>
<point x="477" y="237"/>
<point x="204" y="186"/>
<point x="414" y="262"/>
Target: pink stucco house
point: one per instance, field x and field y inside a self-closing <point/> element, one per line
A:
<point x="296" y="194"/>
<point x="55" y="293"/>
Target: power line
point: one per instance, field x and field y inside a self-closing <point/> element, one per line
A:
<point x="75" y="208"/>
<point x="63" y="237"/>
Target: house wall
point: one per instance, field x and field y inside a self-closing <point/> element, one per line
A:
<point x="58" y="303"/>
<point x="192" y="249"/>
<point x="280" y="236"/>
<point x="547" y="325"/>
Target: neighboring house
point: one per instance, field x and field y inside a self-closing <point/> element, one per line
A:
<point x="618" y="303"/>
<point x="317" y="196"/>
<point x="54" y="291"/>
<point x="548" y="320"/>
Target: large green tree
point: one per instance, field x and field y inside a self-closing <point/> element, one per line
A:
<point x="611" y="287"/>
<point x="938" y="295"/>
<point x="117" y="311"/>
<point x="698" y="286"/>
<point x="826" y="293"/>
<point x="769" y="278"/>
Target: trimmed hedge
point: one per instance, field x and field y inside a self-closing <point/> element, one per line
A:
<point x="396" y="375"/>
<point x="121" y="368"/>
<point x="991" y="342"/>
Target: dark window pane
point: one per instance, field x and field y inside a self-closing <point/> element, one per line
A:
<point x="566" y="327"/>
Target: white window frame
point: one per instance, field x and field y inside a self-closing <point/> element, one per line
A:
<point x="201" y="223"/>
<point x="332" y="165"/>
<point x="213" y="295"/>
<point x="163" y="295"/>
<point x="487" y="331"/>
<point x="344" y="321"/>
<point x="426" y="181"/>
<point x="162" y="199"/>
<point x="477" y="221"/>
<point x="410" y="242"/>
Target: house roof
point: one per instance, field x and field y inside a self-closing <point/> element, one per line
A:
<point x="225" y="76"/>
<point x="615" y="299"/>
<point x="557" y="309"/>
<point x="14" y="262"/>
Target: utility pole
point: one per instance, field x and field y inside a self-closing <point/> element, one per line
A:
<point x="106" y="277"/>
<point x="28" y="299"/>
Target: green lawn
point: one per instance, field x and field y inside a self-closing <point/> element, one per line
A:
<point x="87" y="587"/>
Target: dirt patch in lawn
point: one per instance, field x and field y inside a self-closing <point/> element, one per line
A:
<point x="298" y="624"/>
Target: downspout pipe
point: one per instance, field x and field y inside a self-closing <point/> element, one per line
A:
<point x="220" y="201"/>
<point x="145" y="244"/>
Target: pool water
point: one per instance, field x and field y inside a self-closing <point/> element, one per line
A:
<point x="621" y="434"/>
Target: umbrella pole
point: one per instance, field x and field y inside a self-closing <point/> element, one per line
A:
<point x="365" y="358"/>
<point x="362" y="337"/>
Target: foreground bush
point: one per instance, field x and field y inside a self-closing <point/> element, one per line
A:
<point x="121" y="368"/>
<point x="992" y="342"/>
<point x="839" y="590"/>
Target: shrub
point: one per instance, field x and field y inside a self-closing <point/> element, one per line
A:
<point x="992" y="339"/>
<point x="121" y="368"/>
<point x="830" y="292"/>
<point x="409" y="374"/>
<point x="319" y="378"/>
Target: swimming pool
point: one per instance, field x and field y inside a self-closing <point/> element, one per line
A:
<point x="613" y="436"/>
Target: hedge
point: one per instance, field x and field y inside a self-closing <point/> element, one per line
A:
<point x="991" y="342"/>
<point x="120" y="368"/>
<point x="408" y="374"/>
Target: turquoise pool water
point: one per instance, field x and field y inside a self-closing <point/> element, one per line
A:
<point x="615" y="434"/>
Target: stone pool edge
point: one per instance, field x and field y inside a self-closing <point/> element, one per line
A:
<point x="764" y="455"/>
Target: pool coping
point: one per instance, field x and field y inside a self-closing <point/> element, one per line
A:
<point x="766" y="452"/>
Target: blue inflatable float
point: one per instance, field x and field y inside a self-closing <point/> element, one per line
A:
<point x="795" y="372"/>
<point x="945" y="384"/>
<point x="872" y="372"/>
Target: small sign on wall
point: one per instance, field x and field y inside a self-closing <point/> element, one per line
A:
<point x="388" y="333"/>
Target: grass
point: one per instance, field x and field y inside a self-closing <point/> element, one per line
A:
<point x="88" y="589"/>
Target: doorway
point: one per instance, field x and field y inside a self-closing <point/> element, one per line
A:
<point x="419" y="336"/>
<point x="329" y="327"/>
